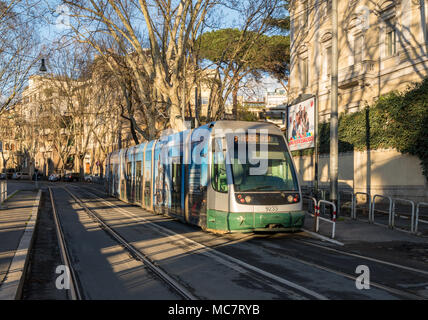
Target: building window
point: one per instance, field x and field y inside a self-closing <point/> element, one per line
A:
<point x="358" y="48"/>
<point x="328" y="7"/>
<point x="304" y="72"/>
<point x="305" y="14"/>
<point x="328" y="62"/>
<point x="390" y="38"/>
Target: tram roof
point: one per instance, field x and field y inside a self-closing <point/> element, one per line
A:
<point x="246" y="125"/>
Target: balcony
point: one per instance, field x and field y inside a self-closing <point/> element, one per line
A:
<point x="357" y="74"/>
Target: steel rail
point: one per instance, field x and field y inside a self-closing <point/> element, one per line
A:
<point x="399" y="266"/>
<point x="406" y="294"/>
<point x="181" y="290"/>
<point x="219" y="256"/>
<point x="395" y="291"/>
<point x="312" y="244"/>
<point x="75" y="292"/>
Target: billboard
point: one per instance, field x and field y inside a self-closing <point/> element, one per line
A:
<point x="301" y="125"/>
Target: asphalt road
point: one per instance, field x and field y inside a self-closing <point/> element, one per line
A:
<point x="234" y="266"/>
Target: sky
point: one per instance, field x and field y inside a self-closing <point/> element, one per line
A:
<point x="56" y="19"/>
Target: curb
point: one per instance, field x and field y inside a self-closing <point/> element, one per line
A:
<point x="11" y="195"/>
<point x="316" y="235"/>
<point x="11" y="288"/>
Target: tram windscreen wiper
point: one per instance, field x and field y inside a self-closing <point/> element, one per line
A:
<point x="261" y="188"/>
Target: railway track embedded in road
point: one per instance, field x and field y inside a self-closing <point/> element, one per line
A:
<point x="395" y="291"/>
<point x="276" y="282"/>
<point x="75" y="292"/>
<point x="161" y="274"/>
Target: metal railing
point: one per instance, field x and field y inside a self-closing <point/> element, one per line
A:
<point x="339" y="200"/>
<point x="415" y="229"/>
<point x="412" y="222"/>
<point x="319" y="208"/>
<point x="355" y="203"/>
<point x="313" y="214"/>
<point x="333" y="220"/>
<point x="389" y="211"/>
<point x="3" y="191"/>
<point x="317" y="214"/>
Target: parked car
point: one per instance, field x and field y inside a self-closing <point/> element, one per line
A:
<point x="39" y="176"/>
<point x="88" y="178"/>
<point x="54" y="177"/>
<point x="10" y="173"/>
<point x="25" y="176"/>
<point x="2" y="176"/>
<point x="16" y="176"/>
<point x="71" y="177"/>
<point x="96" y="178"/>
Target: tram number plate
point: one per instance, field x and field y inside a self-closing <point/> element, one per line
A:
<point x="271" y="209"/>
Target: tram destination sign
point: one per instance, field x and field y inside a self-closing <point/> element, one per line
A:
<point x="301" y="125"/>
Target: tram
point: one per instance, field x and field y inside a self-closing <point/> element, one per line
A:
<point x="226" y="176"/>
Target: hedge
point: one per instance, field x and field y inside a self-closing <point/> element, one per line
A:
<point x="396" y="120"/>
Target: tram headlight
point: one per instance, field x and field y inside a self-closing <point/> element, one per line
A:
<point x="290" y="198"/>
<point x="248" y="199"/>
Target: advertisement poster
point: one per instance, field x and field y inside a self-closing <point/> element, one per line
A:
<point x="301" y="125"/>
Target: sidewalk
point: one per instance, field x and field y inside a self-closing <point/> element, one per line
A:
<point x="17" y="224"/>
<point x="350" y="231"/>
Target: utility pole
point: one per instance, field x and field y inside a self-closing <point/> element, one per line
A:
<point x="334" y="143"/>
<point x="196" y="107"/>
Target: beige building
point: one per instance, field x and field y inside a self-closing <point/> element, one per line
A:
<point x="61" y="121"/>
<point x="383" y="46"/>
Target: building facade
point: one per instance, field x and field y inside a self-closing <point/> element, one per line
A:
<point x="382" y="47"/>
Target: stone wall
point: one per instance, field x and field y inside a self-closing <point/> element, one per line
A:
<point x="389" y="173"/>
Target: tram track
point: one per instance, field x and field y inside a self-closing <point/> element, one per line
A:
<point x="392" y="290"/>
<point x="75" y="292"/>
<point x="276" y="282"/>
<point x="162" y="275"/>
<point x="395" y="291"/>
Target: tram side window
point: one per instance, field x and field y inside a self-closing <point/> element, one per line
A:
<point x="219" y="176"/>
<point x="138" y="170"/>
<point x="128" y="170"/>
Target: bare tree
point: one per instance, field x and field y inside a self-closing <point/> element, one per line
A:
<point x="156" y="39"/>
<point x="234" y="52"/>
<point x="18" y="52"/>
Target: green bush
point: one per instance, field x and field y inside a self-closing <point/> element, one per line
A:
<point x="396" y="120"/>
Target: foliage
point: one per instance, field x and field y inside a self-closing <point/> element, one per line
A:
<point x="283" y="21"/>
<point x="248" y="50"/>
<point x="245" y="115"/>
<point x="396" y="120"/>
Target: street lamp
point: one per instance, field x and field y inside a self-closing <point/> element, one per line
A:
<point x="43" y="66"/>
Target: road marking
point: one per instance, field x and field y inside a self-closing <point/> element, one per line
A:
<point x="366" y="258"/>
<point x="408" y="295"/>
<point x="324" y="238"/>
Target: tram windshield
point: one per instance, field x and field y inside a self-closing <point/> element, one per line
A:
<point x="262" y="165"/>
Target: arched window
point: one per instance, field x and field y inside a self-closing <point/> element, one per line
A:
<point x="326" y="55"/>
<point x="387" y="12"/>
<point x="303" y="66"/>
